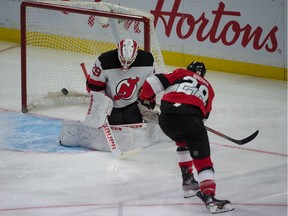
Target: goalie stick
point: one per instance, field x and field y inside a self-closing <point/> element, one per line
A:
<point x="116" y="152"/>
<point x="238" y="142"/>
<point x="90" y="121"/>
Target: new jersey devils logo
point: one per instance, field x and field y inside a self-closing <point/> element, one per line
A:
<point x="126" y="88"/>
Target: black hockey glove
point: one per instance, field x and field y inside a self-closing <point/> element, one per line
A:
<point x="150" y="103"/>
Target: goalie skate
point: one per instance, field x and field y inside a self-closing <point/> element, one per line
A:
<point x="189" y="185"/>
<point x="215" y="205"/>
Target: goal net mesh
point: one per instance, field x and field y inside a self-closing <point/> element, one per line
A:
<point x="60" y="38"/>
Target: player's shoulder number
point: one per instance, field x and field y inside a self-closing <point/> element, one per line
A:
<point x="193" y="87"/>
<point x="96" y="71"/>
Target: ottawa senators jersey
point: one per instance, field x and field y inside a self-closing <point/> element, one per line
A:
<point x="121" y="86"/>
<point x="181" y="86"/>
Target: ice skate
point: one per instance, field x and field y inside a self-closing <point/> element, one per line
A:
<point x="214" y="205"/>
<point x="189" y="185"/>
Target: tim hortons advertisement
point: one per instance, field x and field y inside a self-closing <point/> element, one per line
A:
<point x="248" y="31"/>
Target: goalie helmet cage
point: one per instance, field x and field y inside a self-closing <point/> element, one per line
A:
<point x="55" y="51"/>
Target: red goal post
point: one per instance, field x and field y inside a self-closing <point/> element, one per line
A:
<point x="58" y="38"/>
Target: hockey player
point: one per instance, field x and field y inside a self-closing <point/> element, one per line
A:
<point x="186" y="103"/>
<point x="120" y="74"/>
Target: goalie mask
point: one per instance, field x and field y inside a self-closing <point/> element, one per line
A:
<point x="197" y="67"/>
<point x="127" y="52"/>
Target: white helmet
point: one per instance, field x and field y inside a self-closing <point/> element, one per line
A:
<point x="127" y="52"/>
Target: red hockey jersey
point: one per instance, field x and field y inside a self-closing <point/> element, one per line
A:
<point x="181" y="86"/>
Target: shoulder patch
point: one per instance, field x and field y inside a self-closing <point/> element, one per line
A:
<point x="109" y="60"/>
<point x="143" y="59"/>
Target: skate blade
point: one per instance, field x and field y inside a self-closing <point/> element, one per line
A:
<point x="226" y="208"/>
<point x="188" y="194"/>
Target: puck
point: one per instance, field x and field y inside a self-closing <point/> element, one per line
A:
<point x="64" y="91"/>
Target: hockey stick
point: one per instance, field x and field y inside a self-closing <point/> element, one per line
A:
<point x="84" y="70"/>
<point x="238" y="142"/>
<point x="116" y="152"/>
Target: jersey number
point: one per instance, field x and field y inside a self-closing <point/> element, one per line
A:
<point x="194" y="88"/>
<point x="96" y="71"/>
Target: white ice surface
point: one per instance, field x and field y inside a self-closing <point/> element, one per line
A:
<point x="253" y="177"/>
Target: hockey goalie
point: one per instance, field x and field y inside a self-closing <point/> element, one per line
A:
<point x="115" y="119"/>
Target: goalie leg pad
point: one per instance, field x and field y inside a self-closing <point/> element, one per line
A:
<point x="99" y="108"/>
<point x="69" y="133"/>
<point x="76" y="134"/>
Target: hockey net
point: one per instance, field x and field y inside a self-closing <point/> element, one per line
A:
<point x="60" y="39"/>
